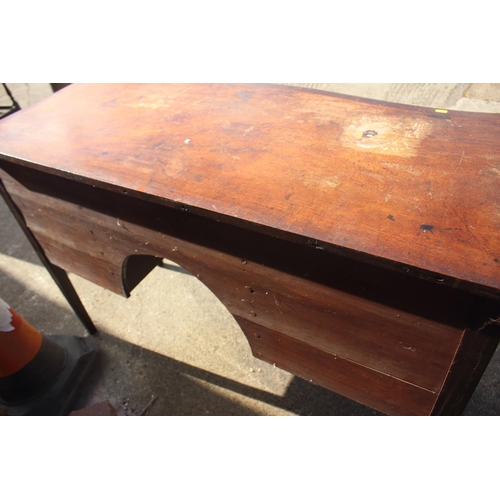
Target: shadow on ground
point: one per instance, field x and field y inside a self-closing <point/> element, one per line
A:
<point x="183" y="389"/>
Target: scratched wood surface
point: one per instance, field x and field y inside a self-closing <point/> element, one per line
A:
<point x="412" y="186"/>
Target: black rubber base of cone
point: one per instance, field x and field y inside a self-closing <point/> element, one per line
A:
<point x="35" y="377"/>
<point x="59" y="397"/>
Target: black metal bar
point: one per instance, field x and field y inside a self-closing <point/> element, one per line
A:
<point x="9" y="93"/>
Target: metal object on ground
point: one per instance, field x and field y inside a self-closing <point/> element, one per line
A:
<point x="8" y="110"/>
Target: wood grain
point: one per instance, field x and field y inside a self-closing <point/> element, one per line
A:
<point x="375" y="389"/>
<point x="419" y="193"/>
<point x="58" y="275"/>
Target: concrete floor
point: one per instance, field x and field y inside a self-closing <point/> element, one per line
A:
<point x="172" y="338"/>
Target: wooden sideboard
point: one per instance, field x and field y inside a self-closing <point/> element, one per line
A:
<point x="356" y="242"/>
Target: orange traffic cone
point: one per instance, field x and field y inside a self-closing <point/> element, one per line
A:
<point x="39" y="375"/>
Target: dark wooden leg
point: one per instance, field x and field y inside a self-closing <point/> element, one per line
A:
<point x="58" y="275"/>
<point x="478" y="344"/>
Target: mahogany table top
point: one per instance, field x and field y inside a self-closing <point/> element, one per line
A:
<point x="407" y="185"/>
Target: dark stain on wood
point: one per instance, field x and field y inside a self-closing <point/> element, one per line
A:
<point x="426" y="227"/>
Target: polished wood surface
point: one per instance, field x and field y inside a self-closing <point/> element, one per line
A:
<point x="271" y="196"/>
<point x="413" y="187"/>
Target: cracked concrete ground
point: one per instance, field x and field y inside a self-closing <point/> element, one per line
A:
<point x="172" y="338"/>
